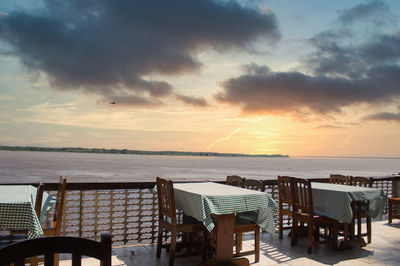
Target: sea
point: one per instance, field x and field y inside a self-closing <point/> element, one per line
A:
<point x="31" y="167"/>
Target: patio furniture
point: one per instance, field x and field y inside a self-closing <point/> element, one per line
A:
<point x="244" y="222"/>
<point x="53" y="228"/>
<point x="17" y="210"/>
<point x="358" y="208"/>
<point x="168" y="220"/>
<point x="303" y="211"/>
<point x="38" y="209"/>
<point x="360" y="181"/>
<point x="235" y="180"/>
<point x="337" y="202"/>
<point x="285" y="200"/>
<point x="391" y="215"/>
<point x="339" y="179"/>
<point x="18" y="252"/>
<point x="202" y="199"/>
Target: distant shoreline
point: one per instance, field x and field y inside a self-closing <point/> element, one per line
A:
<point x="345" y="157"/>
<point x="136" y="152"/>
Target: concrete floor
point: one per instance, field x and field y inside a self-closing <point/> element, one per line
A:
<point x="384" y="250"/>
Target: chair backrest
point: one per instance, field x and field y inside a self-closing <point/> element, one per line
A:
<point x="166" y="201"/>
<point x="59" y="209"/>
<point x="39" y="198"/>
<point x="302" y="196"/>
<point x="360" y="181"/>
<point x="285" y="193"/>
<point x="253" y="184"/>
<point x="48" y="246"/>
<point x="339" y="179"/>
<point x="234" y="180"/>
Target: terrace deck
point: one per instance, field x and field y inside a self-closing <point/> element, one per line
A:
<point x="384" y="250"/>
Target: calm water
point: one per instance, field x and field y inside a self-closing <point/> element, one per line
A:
<point x="21" y="166"/>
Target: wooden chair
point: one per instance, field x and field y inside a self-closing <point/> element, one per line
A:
<point x="358" y="213"/>
<point x="339" y="179"/>
<point x="168" y="220"/>
<point x="253" y="184"/>
<point x="285" y="200"/>
<point x="234" y="180"/>
<point x="391" y="215"/>
<point x="18" y="252"/>
<point x="243" y="225"/>
<point x="303" y="211"/>
<point x="53" y="228"/>
<point x="360" y="181"/>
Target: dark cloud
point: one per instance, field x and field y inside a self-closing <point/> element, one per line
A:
<point x="372" y="11"/>
<point x="384" y="116"/>
<point x="200" y="102"/>
<point x="342" y="71"/>
<point x="101" y="46"/>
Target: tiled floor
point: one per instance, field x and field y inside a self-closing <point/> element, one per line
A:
<point x="384" y="250"/>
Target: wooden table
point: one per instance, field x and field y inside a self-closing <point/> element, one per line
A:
<point x="335" y="201"/>
<point x="201" y="200"/>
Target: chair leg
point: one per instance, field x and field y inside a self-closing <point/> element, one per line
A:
<point x="204" y="254"/>
<point x="369" y="229"/>
<point x="280" y="226"/>
<point x="56" y="259"/>
<point x="172" y="248"/>
<point x="257" y="244"/>
<point x="159" y="241"/>
<point x="335" y="236"/>
<point x="294" y="233"/>
<point x="390" y="211"/>
<point x="310" y="237"/>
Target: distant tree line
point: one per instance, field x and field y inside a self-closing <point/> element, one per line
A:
<point x="140" y="152"/>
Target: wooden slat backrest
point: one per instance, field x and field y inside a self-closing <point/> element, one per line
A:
<point x="59" y="209"/>
<point x="39" y="199"/>
<point x="166" y="200"/>
<point x="339" y="179"/>
<point x="285" y="190"/>
<point x="360" y="181"/>
<point x="253" y="184"/>
<point x="234" y="180"/>
<point x="302" y="198"/>
<point x="47" y="246"/>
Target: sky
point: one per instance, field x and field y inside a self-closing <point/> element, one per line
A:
<point x="302" y="78"/>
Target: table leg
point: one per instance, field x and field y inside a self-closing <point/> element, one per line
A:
<point x="225" y="241"/>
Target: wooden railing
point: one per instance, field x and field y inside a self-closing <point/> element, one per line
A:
<point x="129" y="210"/>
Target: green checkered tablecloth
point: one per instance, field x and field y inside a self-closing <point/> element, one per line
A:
<point x="334" y="200"/>
<point x="17" y="209"/>
<point x="200" y="200"/>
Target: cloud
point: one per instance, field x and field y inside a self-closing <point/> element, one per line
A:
<point x="328" y="127"/>
<point x="112" y="47"/>
<point x="365" y="11"/>
<point x="341" y="71"/>
<point x="383" y="116"/>
<point x="200" y="102"/>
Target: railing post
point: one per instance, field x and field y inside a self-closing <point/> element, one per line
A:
<point x="80" y="212"/>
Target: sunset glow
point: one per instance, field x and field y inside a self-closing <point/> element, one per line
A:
<point x="256" y="77"/>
